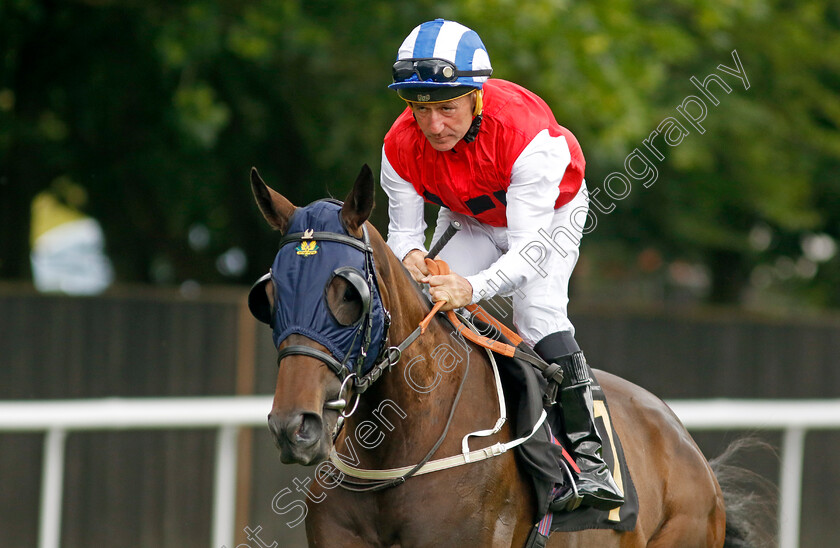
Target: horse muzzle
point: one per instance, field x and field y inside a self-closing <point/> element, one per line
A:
<point x="300" y="437"/>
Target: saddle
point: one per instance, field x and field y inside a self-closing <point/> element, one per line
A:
<point x="543" y="456"/>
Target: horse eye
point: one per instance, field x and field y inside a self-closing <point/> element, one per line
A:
<point x="344" y="301"/>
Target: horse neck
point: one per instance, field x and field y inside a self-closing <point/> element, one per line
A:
<point x="411" y="402"/>
<point x="400" y="296"/>
<point x="408" y="306"/>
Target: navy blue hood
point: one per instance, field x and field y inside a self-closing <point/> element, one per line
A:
<point x="301" y="273"/>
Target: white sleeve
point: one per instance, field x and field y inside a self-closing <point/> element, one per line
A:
<point x="406" y="225"/>
<point x="534" y="188"/>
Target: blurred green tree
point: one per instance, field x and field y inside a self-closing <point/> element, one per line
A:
<point x="158" y="109"/>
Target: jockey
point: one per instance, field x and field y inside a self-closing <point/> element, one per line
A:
<point x="492" y="155"/>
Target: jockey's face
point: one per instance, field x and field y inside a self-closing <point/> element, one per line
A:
<point x="444" y="124"/>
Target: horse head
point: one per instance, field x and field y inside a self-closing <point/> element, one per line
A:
<point x="322" y="301"/>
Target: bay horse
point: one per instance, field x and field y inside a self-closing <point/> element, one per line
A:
<point x="422" y="407"/>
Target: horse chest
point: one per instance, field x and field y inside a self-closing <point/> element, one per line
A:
<point x="470" y="506"/>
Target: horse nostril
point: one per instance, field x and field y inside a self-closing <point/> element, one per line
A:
<point x="297" y="429"/>
<point x="308" y="429"/>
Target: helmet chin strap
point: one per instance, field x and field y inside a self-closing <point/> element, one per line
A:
<point x="472" y="133"/>
<point x="479" y="102"/>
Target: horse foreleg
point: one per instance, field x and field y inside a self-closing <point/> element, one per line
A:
<point x="341" y="521"/>
<point x="328" y="533"/>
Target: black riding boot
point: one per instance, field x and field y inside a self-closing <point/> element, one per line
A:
<point x="595" y="484"/>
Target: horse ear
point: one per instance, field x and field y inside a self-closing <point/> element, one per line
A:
<point x="274" y="206"/>
<point x="359" y="203"/>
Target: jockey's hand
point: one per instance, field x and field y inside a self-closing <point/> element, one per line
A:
<point x="415" y="263"/>
<point x="452" y="288"/>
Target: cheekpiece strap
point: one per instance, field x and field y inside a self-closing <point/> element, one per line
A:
<point x="300" y="349"/>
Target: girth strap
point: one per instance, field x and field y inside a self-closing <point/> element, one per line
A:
<point x="399" y="475"/>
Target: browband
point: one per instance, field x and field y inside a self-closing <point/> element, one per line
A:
<point x="363" y="246"/>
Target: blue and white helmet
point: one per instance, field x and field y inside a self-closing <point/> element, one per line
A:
<point x="438" y="61"/>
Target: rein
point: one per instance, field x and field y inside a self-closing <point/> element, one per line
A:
<point x="383" y="479"/>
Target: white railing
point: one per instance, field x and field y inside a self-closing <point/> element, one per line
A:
<point x="58" y="417"/>
<point x="228" y="414"/>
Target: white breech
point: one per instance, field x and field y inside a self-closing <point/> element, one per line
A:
<point x="540" y="304"/>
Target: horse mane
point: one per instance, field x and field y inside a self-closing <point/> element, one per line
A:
<point x="389" y="268"/>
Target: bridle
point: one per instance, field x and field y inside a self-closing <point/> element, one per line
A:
<point x="358" y="381"/>
<point x="354" y="380"/>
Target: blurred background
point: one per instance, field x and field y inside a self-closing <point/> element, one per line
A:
<point x="129" y="237"/>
